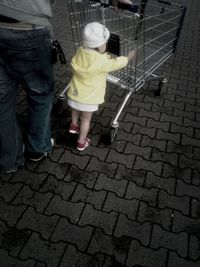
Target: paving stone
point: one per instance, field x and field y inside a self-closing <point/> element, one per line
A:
<point x="120" y="205"/>
<point x="54" y="168"/>
<point x="168" y="136"/>
<point x="196" y="154"/>
<point x="109" y="184"/>
<point x="189" y="141"/>
<point x="56" y="153"/>
<point x="38" y="222"/>
<point x="185" y="162"/>
<point x="197" y="133"/>
<point x="74" y="258"/>
<point x="136" y="192"/>
<point x="194" y="249"/>
<point x="170" y="158"/>
<point x="144" y="152"/>
<point x="149" y="131"/>
<point x="127" y="160"/>
<point x="151" y="123"/>
<point x="169" y="97"/>
<point x="103" y="167"/>
<point x="67" y="209"/>
<point x="7" y="260"/>
<point x="95" y="198"/>
<point x="111" y="261"/>
<point x="102" y="120"/>
<point x="34" y="180"/>
<point x="123" y="135"/>
<point x="180" y="99"/>
<point x="71" y="158"/>
<point x="40" y="264"/>
<point x="153" y="181"/>
<point x="184" y="130"/>
<point x="5" y="178"/>
<point x="109" y="245"/>
<point x="70" y="233"/>
<point x="179" y="113"/>
<point x="97" y="218"/>
<point x="184" y="189"/>
<point x="12" y="239"/>
<point x="182" y="174"/>
<point x="118" y="145"/>
<point x="108" y="113"/>
<point x="153" y="143"/>
<point x="44" y="251"/>
<point x="133" y="229"/>
<point x="170" y="201"/>
<point x="180" y="106"/>
<point x="176" y="120"/>
<point x="134" y="119"/>
<point x="155" y="167"/>
<point x="164" y="239"/>
<point x="136" y="176"/>
<point x="180" y="149"/>
<point x="146" y="113"/>
<point x="80" y="176"/>
<point x="11" y="213"/>
<point x="162" y="109"/>
<point x="176" y="261"/>
<point x="185" y="224"/>
<point x="8" y="191"/>
<point x="32" y="198"/>
<point x="143" y="256"/>
<point x="195" y="208"/>
<point x="54" y="186"/>
<point x="148" y="99"/>
<point x="154" y="215"/>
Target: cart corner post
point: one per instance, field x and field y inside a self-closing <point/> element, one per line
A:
<point x="180" y="27"/>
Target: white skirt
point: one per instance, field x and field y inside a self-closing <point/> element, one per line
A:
<point x="81" y="106"/>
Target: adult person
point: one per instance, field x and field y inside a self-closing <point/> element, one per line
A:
<point x="125" y="4"/>
<point x="25" y="58"/>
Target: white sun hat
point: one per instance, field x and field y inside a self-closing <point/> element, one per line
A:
<point x="95" y="34"/>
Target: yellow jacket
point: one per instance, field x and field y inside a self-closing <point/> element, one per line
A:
<point x="90" y="68"/>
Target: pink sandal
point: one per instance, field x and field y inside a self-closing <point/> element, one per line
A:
<point x="74" y="129"/>
<point x="82" y="146"/>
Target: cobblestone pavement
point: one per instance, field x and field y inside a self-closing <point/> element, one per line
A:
<point x="133" y="203"/>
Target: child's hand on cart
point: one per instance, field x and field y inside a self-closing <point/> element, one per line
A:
<point x="131" y="55"/>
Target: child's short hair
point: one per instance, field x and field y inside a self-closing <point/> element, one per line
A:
<point x="95" y="34"/>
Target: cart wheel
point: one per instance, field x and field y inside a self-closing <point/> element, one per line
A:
<point x="113" y="134"/>
<point x="59" y="106"/>
<point x="160" y="86"/>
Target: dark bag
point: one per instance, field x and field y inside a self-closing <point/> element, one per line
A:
<point x="57" y="52"/>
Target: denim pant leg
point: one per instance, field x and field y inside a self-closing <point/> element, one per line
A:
<point x="39" y="87"/>
<point x="25" y="57"/>
<point x="29" y="57"/>
<point x="11" y="142"/>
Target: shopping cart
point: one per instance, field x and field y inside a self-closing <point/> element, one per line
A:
<point x="153" y="33"/>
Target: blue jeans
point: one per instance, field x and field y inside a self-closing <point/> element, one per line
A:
<point x="25" y="58"/>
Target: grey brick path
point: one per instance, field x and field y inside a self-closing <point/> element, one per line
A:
<point x="133" y="203"/>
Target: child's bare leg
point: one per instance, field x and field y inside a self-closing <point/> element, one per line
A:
<point x="84" y="126"/>
<point x="75" y="116"/>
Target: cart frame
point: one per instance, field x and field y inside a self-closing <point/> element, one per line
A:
<point x="153" y="34"/>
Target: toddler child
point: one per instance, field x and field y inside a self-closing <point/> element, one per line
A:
<point x="90" y="65"/>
